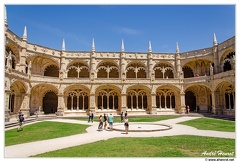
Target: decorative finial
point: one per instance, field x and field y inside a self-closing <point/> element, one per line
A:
<point x="63" y="45"/>
<point x="149" y="46"/>
<point x="214" y="39"/>
<point x="93" y="45"/>
<point x="122" y="48"/>
<point x="6" y="23"/>
<point x="25" y="34"/>
<point x="177" y="48"/>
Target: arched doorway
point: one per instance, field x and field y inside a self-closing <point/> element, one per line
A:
<point x="190" y="100"/>
<point x="50" y="103"/>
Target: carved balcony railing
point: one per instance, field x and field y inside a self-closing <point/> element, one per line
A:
<point x="48" y="79"/>
<point x="224" y="74"/>
<point x="199" y="79"/>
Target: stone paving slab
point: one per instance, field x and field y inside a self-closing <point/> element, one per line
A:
<point x="93" y="135"/>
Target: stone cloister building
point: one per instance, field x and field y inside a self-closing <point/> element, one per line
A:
<point x="73" y="82"/>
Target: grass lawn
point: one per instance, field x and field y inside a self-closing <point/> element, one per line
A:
<point x="117" y="119"/>
<point x="42" y="131"/>
<point x="172" y="146"/>
<point x="211" y="124"/>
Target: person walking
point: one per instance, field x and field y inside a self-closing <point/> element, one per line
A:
<point x="110" y="121"/>
<point x="20" y="124"/>
<point x="100" y="126"/>
<point x="126" y="124"/>
<point x="121" y="117"/>
<point x="19" y="114"/>
<point x="105" y="121"/>
<point x="36" y="114"/>
<point x="90" y="118"/>
<point x="188" y="109"/>
<point x="125" y="113"/>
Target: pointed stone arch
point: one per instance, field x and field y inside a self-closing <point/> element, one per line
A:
<point x="52" y="71"/>
<point x="77" y="98"/>
<point x="187" y="72"/>
<point x="107" y="69"/>
<point x="225" y="97"/>
<point x="227" y="61"/>
<point x="108" y="97"/>
<point x="78" y="69"/>
<point x="136" y="69"/>
<point x="15" y="59"/>
<point x="198" y="95"/>
<point x="138" y="98"/>
<point x="198" y="67"/>
<point x="18" y="92"/>
<point x="44" y="98"/>
<point x="164" y="70"/>
<point x="167" y="97"/>
<point x="41" y="63"/>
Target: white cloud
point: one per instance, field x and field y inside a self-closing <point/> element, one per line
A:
<point x="126" y="30"/>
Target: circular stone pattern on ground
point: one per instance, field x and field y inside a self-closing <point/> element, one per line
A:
<point x="142" y="127"/>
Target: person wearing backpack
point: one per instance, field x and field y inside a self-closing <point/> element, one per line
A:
<point x="21" y="120"/>
<point x="126" y="124"/>
<point x="100" y="126"/>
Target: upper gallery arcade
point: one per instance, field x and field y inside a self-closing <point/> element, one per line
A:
<point x="72" y="83"/>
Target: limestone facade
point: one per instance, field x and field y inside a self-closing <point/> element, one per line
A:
<point x="73" y="82"/>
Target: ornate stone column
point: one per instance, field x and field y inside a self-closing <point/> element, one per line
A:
<point x="122" y="63"/>
<point x="92" y="103"/>
<point x="154" y="107"/>
<point x="60" y="108"/>
<point x="124" y="99"/>
<point x="213" y="102"/>
<point x="182" y="103"/>
<point x="215" y="55"/>
<point x="22" y="62"/>
<point x="25" y="107"/>
<point x="7" y="111"/>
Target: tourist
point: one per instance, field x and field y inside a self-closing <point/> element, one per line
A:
<point x="21" y="120"/>
<point x="90" y="116"/>
<point x="121" y="117"/>
<point x="110" y="121"/>
<point x="19" y="114"/>
<point x="36" y="114"/>
<point x="198" y="109"/>
<point x="125" y="113"/>
<point x="100" y="126"/>
<point x="105" y="121"/>
<point x="188" y="109"/>
<point x="126" y="124"/>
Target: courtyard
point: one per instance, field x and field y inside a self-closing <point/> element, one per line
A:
<point x="198" y="142"/>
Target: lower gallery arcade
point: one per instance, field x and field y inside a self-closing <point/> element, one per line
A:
<point x="136" y="99"/>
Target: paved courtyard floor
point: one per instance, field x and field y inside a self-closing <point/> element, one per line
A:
<point x="93" y="135"/>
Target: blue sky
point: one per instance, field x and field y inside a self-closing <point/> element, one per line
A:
<point x="192" y="26"/>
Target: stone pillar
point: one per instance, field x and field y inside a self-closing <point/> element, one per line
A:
<point x="150" y="65"/>
<point x="62" y="69"/>
<point x="122" y="66"/>
<point x="124" y="100"/>
<point x="60" y="108"/>
<point x="219" y="101"/>
<point x="92" y="103"/>
<point x="22" y="63"/>
<point x="216" y="60"/>
<point x="154" y="107"/>
<point x="233" y="62"/>
<point x="182" y="103"/>
<point x="25" y="107"/>
<point x="93" y="73"/>
<point x="7" y="111"/>
<point x="213" y="103"/>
